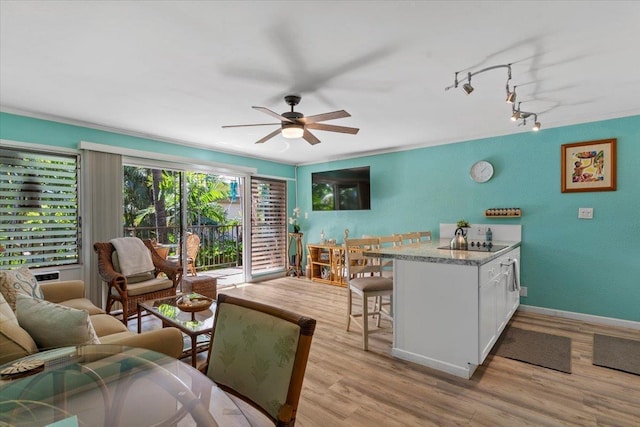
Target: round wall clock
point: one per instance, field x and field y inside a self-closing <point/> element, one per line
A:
<point x="481" y="171"/>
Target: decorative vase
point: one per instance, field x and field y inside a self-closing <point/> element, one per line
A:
<point x="296" y="228"/>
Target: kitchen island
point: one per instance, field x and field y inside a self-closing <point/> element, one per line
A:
<point x="450" y="306"/>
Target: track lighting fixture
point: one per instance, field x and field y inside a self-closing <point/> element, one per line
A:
<point x="516" y="114"/>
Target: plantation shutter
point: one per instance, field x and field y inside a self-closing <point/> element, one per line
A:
<point x="268" y="225"/>
<point x="39" y="224"/>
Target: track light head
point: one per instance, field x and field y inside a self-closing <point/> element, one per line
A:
<point x="511" y="95"/>
<point x="467" y="86"/>
<point x="536" y="124"/>
<point x="516" y="116"/>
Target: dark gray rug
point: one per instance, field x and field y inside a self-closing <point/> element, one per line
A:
<point x="616" y="353"/>
<point x="536" y="348"/>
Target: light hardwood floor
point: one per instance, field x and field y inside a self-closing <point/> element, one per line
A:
<point x="345" y="386"/>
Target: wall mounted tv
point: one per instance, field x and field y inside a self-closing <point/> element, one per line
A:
<point x="343" y="189"/>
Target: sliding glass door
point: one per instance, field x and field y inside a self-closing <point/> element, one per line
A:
<point x="168" y="206"/>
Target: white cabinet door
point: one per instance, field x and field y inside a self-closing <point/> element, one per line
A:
<point x="488" y="304"/>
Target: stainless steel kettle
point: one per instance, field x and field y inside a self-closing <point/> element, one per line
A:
<point x="459" y="240"/>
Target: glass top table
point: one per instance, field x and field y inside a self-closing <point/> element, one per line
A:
<point x="113" y="385"/>
<point x="191" y="324"/>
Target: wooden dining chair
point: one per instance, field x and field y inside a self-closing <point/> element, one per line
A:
<point x="259" y="354"/>
<point x="364" y="278"/>
<point x="412" y="238"/>
<point x="424" y="236"/>
<point x="386" y="264"/>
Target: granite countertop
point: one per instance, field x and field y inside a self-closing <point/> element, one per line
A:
<point x="429" y="252"/>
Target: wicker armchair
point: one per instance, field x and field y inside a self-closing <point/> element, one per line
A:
<point x="129" y="290"/>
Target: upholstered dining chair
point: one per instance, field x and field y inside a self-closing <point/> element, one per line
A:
<point x="128" y="289"/>
<point x="364" y="278"/>
<point x="259" y="354"/>
<point x="386" y="264"/>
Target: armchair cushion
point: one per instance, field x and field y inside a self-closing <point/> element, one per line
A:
<point x="153" y="285"/>
<point x="52" y="325"/>
<point x="19" y="281"/>
<point x="133" y="278"/>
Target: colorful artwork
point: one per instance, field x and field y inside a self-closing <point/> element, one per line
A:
<point x="589" y="166"/>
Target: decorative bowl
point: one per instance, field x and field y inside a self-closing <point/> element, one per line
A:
<point x="192" y="303"/>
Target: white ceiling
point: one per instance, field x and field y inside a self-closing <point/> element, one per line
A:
<point x="180" y="70"/>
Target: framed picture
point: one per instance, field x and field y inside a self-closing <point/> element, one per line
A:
<point x="589" y="166"/>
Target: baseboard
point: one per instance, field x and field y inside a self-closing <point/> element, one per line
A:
<point x="610" y="321"/>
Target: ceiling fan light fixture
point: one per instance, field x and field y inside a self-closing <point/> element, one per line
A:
<point x="292" y="130"/>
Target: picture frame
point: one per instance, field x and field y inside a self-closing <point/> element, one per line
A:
<point x="589" y="166"/>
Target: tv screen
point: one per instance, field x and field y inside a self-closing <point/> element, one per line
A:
<point x="343" y="189"/>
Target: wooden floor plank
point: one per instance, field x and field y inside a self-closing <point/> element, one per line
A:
<point x="345" y="386"/>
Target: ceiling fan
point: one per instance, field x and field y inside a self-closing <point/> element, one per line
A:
<point x="296" y="125"/>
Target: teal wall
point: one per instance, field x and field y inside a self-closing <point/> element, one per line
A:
<point x="577" y="265"/>
<point x="25" y="129"/>
<point x="583" y="266"/>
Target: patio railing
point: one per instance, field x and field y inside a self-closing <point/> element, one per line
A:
<point x="220" y="245"/>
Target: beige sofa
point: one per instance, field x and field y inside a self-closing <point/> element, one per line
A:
<point x="15" y="342"/>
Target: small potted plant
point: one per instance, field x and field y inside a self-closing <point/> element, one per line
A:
<point x="463" y="223"/>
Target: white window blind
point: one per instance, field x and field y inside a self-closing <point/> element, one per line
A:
<point x="39" y="224"/>
<point x="268" y="225"/>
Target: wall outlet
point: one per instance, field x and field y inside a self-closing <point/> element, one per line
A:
<point x="523" y="291"/>
<point x="585" y="213"/>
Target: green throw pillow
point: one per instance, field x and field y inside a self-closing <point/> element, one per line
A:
<point x="53" y="325"/>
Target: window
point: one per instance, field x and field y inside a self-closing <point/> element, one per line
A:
<point x="39" y="224"/>
<point x="268" y="225"/>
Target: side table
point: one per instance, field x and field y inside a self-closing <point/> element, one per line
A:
<point x="294" y="260"/>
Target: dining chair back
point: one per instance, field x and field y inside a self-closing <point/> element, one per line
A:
<point x="412" y="238"/>
<point x="424" y="236"/>
<point x="259" y="353"/>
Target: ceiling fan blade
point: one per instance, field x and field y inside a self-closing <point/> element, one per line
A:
<point x="326" y="116"/>
<point x="268" y="137"/>
<point x="273" y="114"/>
<point x="332" y="128"/>
<point x="257" y="124"/>
<point x="310" y="138"/>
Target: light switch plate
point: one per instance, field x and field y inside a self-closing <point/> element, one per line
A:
<point x="585" y="213"/>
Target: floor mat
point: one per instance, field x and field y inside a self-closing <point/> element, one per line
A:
<point x="536" y="348"/>
<point x="616" y="353"/>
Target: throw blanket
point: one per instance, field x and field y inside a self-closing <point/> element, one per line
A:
<point x="133" y="255"/>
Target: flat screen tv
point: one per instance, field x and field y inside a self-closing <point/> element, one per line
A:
<point x="343" y="189"/>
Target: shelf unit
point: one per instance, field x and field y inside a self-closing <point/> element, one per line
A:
<point x="326" y="264"/>
<point x="503" y="213"/>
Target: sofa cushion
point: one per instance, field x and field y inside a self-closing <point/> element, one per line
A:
<point x="53" y="325"/>
<point x="83" y="304"/>
<point x="19" y="281"/>
<point x="105" y="324"/>
<point x="15" y="342"/>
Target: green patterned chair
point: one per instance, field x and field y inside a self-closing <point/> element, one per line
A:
<point x="259" y="353"/>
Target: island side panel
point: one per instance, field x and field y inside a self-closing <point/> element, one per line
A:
<point x="436" y="315"/>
